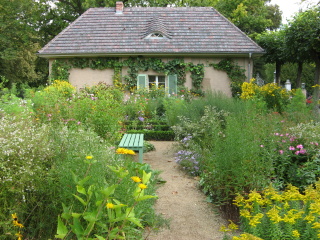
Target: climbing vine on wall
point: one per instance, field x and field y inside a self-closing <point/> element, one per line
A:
<point x="197" y="74"/>
<point x="60" y="69"/>
<point x="235" y="73"/>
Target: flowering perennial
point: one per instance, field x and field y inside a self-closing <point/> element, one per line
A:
<point x="125" y="151"/>
<point x="277" y="215"/>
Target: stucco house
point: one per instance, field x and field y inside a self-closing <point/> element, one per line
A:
<point x="145" y="46"/>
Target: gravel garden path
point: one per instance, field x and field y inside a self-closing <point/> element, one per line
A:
<point x="181" y="201"/>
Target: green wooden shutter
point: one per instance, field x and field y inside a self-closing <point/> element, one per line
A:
<point x="142" y="81"/>
<point x="172" y="84"/>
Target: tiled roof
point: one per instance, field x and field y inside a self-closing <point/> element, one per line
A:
<point x="195" y="30"/>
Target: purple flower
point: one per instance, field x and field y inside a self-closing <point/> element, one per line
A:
<point x="141" y="119"/>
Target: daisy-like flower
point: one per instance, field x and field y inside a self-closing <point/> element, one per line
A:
<point x="89" y="157"/>
<point x="136" y="179"/>
<point x="15" y="221"/>
<point x="142" y="186"/>
<point x="110" y="205"/>
<point x="125" y="151"/>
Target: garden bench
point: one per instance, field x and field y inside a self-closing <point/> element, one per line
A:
<point x="133" y="142"/>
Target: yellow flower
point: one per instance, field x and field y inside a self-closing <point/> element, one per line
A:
<point x="89" y="157"/>
<point x="273" y="214"/>
<point x="19" y="235"/>
<point x="295" y="233"/>
<point x="309" y="218"/>
<point x="136" y="179"/>
<point x="245" y="213"/>
<point x="232" y="225"/>
<point x="125" y="151"/>
<point x="316" y="225"/>
<point x="110" y="205"/>
<point x="224" y="229"/>
<point x="142" y="186"/>
<point x="254" y="221"/>
<point x="15" y="221"/>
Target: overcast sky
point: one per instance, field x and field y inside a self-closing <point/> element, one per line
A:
<point x="290" y="7"/>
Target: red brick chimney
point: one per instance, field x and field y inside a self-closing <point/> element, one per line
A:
<point x="119" y="7"/>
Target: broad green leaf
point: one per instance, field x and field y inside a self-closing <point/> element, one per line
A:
<point x="81" y="189"/>
<point x="66" y="212"/>
<point x="83" y="181"/>
<point x="141" y="198"/>
<point x="62" y="230"/>
<point x="109" y="190"/>
<point x="99" y="237"/>
<point x="80" y="199"/>
<point x="90" y="216"/>
<point x="146" y="177"/>
<point x="136" y="221"/>
<point x="77" y="227"/>
<point x="76" y="215"/>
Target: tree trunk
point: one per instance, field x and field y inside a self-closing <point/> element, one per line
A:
<point x="299" y="74"/>
<point x="278" y="71"/>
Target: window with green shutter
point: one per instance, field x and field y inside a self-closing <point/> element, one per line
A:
<point x="148" y="81"/>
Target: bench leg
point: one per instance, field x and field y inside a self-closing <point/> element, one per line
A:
<point x="141" y="155"/>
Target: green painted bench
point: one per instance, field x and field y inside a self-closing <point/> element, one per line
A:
<point x="133" y="142"/>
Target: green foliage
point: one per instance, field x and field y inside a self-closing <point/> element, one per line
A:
<point x="99" y="107"/>
<point x="102" y="215"/>
<point x="252" y="17"/>
<point x="19" y="44"/>
<point x="155" y="135"/>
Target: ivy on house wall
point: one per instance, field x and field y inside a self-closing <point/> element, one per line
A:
<point x="60" y="69"/>
<point x="235" y="73"/>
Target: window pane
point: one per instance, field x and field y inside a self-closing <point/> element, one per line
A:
<point x="152" y="81"/>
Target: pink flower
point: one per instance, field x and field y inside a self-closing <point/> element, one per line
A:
<point x="78" y="123"/>
<point x="281" y="152"/>
<point x="261" y="146"/>
<point x="277" y="134"/>
<point x="297" y="152"/>
<point x="300" y="146"/>
<point x="303" y="151"/>
<point x="291" y="148"/>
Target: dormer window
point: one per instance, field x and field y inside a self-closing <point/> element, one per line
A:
<point x="156" y="29"/>
<point x="156" y="35"/>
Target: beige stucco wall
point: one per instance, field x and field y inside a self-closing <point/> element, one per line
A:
<point x="88" y="77"/>
<point x="214" y="80"/>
